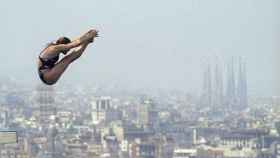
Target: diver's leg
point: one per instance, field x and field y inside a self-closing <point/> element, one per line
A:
<point x="54" y="74"/>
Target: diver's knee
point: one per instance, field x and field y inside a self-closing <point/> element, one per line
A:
<point x="50" y="82"/>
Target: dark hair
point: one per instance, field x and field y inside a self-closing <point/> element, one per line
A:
<point x="63" y="40"/>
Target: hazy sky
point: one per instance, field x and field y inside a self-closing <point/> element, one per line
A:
<point x="158" y="43"/>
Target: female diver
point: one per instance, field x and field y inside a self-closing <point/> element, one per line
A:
<point x="50" y="68"/>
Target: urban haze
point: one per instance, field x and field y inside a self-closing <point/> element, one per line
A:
<point x="165" y="79"/>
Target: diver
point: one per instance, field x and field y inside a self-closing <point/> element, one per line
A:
<point x="50" y="68"/>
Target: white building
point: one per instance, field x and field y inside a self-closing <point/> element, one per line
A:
<point x="184" y="153"/>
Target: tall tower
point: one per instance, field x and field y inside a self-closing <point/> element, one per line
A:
<point x="218" y="85"/>
<point x="47" y="115"/>
<point x="46" y="103"/>
<point x="245" y="87"/>
<point x="206" y="97"/>
<point x="100" y="105"/>
<point x="209" y="85"/>
<point x="242" y="85"/>
<point x="143" y="112"/>
<point x="230" y="91"/>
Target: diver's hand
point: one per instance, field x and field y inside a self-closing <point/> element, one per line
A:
<point x="91" y="40"/>
<point x="93" y="33"/>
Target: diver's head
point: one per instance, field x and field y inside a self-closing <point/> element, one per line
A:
<point x="63" y="40"/>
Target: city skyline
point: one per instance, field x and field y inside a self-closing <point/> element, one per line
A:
<point x="70" y="122"/>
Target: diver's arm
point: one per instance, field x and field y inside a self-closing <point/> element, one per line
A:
<point x="87" y="37"/>
<point x="81" y="48"/>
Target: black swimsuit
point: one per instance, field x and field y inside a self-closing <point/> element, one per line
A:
<point x="46" y="64"/>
